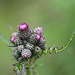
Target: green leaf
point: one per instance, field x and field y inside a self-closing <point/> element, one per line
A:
<point x="4" y="40"/>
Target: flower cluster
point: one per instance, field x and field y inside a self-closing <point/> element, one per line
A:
<point x="29" y="43"/>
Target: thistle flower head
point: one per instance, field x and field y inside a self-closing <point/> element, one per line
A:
<point x="37" y="49"/>
<point x="34" y="38"/>
<point x="12" y="39"/>
<point x="16" y="41"/>
<point x="37" y="36"/>
<point x="20" y="48"/>
<point x="16" y="54"/>
<point x="22" y="27"/>
<point x="42" y="41"/>
<point x="30" y="46"/>
<point x="38" y="30"/>
<point x="26" y="53"/>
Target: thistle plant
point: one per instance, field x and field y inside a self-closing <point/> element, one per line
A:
<point x="29" y="45"/>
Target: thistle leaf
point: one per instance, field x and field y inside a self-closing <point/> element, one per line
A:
<point x="9" y="26"/>
<point x="4" y="40"/>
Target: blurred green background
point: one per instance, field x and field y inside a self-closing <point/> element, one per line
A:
<point x="57" y="17"/>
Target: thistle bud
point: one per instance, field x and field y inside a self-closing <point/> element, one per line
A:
<point x="20" y="59"/>
<point x="13" y="36"/>
<point x="34" y="38"/>
<point x="37" y="36"/>
<point x="12" y="39"/>
<point x="22" y="27"/>
<point x="24" y="31"/>
<point x="26" y="53"/>
<point x="42" y="43"/>
<point x="38" y="30"/>
<point x="37" y="49"/>
<point x="15" y="40"/>
<point x="30" y="46"/>
<point x="16" y="54"/>
<point x="20" y="48"/>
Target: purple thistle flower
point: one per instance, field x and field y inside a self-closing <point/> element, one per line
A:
<point x="22" y="27"/>
<point x="25" y="56"/>
<point x="43" y="39"/>
<point x="34" y="38"/>
<point x="16" y="41"/>
<point x="12" y="39"/>
<point x="23" y="31"/>
<point x="38" y="30"/>
<point x="26" y="53"/>
<point x="42" y="43"/>
<point x="37" y="36"/>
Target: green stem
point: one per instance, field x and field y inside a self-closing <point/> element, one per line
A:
<point x="31" y="69"/>
<point x="67" y="44"/>
<point x="31" y="72"/>
<point x="18" y="72"/>
<point x="69" y="41"/>
<point x="56" y="49"/>
<point x="23" y="69"/>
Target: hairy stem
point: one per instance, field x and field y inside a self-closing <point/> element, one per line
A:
<point x="56" y="49"/>
<point x="23" y="69"/>
<point x="26" y="68"/>
<point x="67" y="44"/>
<point x="18" y="72"/>
<point x="31" y="72"/>
<point x="31" y="69"/>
